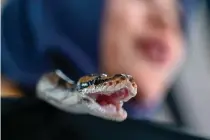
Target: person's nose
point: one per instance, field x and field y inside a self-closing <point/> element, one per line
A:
<point x="156" y="20"/>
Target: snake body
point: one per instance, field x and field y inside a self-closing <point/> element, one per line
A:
<point x="95" y="94"/>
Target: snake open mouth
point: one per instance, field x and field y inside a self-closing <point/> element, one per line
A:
<point x="112" y="102"/>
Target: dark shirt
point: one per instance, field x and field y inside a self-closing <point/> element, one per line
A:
<point x="32" y="119"/>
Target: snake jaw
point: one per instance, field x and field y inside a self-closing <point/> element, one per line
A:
<point x="98" y="95"/>
<point x="107" y="101"/>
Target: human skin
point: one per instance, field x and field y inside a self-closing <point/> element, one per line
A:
<point x="143" y="38"/>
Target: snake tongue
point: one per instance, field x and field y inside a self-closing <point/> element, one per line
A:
<point x="115" y="98"/>
<point x="103" y="102"/>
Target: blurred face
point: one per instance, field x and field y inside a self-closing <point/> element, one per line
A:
<point x="142" y="38"/>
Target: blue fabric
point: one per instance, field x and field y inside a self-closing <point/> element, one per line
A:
<point x="39" y="36"/>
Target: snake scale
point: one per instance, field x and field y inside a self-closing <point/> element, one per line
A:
<point x="99" y="95"/>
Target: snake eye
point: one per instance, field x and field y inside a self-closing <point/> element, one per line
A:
<point x="83" y="85"/>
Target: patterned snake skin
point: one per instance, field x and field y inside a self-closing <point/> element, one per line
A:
<point x="95" y="94"/>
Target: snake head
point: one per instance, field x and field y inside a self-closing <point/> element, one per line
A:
<point x="104" y="95"/>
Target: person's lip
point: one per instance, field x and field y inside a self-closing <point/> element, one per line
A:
<point x="154" y="49"/>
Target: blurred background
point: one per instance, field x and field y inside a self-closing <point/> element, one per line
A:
<point x="187" y="104"/>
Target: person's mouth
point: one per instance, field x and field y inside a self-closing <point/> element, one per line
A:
<point x="153" y="49"/>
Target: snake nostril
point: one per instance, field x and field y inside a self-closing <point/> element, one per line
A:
<point x="131" y="79"/>
<point x="86" y="100"/>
